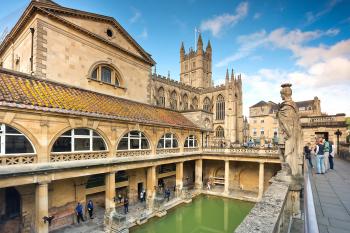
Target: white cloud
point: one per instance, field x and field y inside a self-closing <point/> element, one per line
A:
<point x="217" y="23"/>
<point x="312" y="17"/>
<point x="136" y="16"/>
<point x="144" y="34"/>
<point x="257" y="16"/>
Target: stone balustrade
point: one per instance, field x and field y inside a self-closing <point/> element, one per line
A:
<point x="73" y="156"/>
<point x="191" y="149"/>
<point x="244" y="151"/>
<point x="168" y="151"/>
<point x="132" y="153"/>
<point x="17" y="159"/>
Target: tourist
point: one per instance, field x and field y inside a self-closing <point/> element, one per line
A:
<point x="208" y="185"/>
<point x="90" y="208"/>
<point x="144" y="195"/>
<point x="141" y="196"/>
<point x="320" y="157"/>
<point x="331" y="155"/>
<point x="120" y="198"/>
<point x="307" y="153"/>
<point x="79" y="212"/>
<point x="326" y="151"/>
<point x="126" y="205"/>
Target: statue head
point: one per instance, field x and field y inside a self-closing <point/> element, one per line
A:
<point x="286" y="91"/>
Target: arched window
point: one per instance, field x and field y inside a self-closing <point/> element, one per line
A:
<point x="206" y="104"/>
<point x="173" y="100"/>
<point x="134" y="140"/>
<point x="161" y="97"/>
<point x="220" y="108"/>
<point x="219" y="132"/>
<point x="167" y="141"/>
<point x="185" y="102"/>
<point x="191" y="142"/>
<point x="14" y="142"/>
<point x="106" y="74"/>
<point x="80" y="139"/>
<point x="194" y="105"/>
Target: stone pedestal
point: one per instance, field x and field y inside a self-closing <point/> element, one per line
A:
<point x="198" y="174"/>
<point x="261" y="181"/>
<point x="41" y="208"/>
<point x="110" y="190"/>
<point x="227" y="176"/>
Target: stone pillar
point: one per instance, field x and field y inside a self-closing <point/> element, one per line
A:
<point x="227" y="176"/>
<point x="261" y="180"/>
<point x="41" y="207"/>
<point x="198" y="174"/>
<point x="151" y="185"/>
<point x="179" y="175"/>
<point x="109" y="190"/>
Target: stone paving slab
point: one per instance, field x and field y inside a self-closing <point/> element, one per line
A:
<point x="331" y="193"/>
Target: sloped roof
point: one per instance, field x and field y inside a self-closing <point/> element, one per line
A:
<point x="305" y="103"/>
<point x="259" y="104"/>
<point x="51" y="8"/>
<point x="21" y="91"/>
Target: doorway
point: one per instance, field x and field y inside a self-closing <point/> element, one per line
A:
<point x="139" y="189"/>
<point x="13" y="203"/>
<point x="324" y="135"/>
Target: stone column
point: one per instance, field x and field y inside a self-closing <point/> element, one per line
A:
<point x="41" y="207"/>
<point x="227" y="175"/>
<point x="179" y="175"/>
<point x="198" y="174"/>
<point x="261" y="180"/>
<point x="109" y="190"/>
<point x="151" y="184"/>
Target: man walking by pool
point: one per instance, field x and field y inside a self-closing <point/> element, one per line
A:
<point x="79" y="212"/>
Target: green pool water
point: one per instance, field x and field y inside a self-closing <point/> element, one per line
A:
<point x="205" y="214"/>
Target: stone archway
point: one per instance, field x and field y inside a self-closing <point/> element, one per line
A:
<point x="12" y="203"/>
<point x="10" y="211"/>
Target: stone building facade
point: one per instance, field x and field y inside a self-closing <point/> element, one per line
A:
<point x="263" y="123"/>
<point x="83" y="117"/>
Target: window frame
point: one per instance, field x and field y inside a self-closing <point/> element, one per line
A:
<point x="191" y="138"/>
<point x="3" y="135"/>
<point x="172" y="138"/>
<point x="220" y="108"/>
<point x="129" y="137"/>
<point x="115" y="75"/>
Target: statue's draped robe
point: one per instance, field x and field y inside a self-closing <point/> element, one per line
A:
<point x="288" y="118"/>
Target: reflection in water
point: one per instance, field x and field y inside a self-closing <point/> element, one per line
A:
<point x="205" y="214"/>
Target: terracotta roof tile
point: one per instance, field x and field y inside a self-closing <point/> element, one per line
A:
<point x="22" y="91"/>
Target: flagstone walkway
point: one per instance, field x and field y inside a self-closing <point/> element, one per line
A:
<point x="331" y="193"/>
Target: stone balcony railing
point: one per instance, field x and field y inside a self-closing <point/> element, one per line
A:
<point x="17" y="159"/>
<point x="168" y="151"/>
<point x="244" y="151"/>
<point x="132" y="153"/>
<point x="193" y="149"/>
<point x="72" y="156"/>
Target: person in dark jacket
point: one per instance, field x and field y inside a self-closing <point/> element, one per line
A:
<point x="307" y="152"/>
<point x="90" y="208"/>
<point x="126" y="205"/>
<point x="320" y="157"/>
<point x="79" y="212"/>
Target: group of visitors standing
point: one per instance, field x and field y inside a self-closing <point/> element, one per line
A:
<point x="324" y="155"/>
<point x="79" y="210"/>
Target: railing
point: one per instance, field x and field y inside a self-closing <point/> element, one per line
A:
<point x="132" y="153"/>
<point x="168" y="151"/>
<point x="17" y="159"/>
<point x="192" y="149"/>
<point x="310" y="220"/>
<point x="73" y="156"/>
<point x="244" y="150"/>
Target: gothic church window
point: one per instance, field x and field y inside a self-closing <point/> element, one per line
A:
<point x="161" y="97"/>
<point x="173" y="100"/>
<point x="206" y="104"/>
<point x="219" y="132"/>
<point x="80" y="139"/>
<point x="14" y="142"/>
<point x="191" y="142"/>
<point x="220" y="108"/>
<point x="194" y="105"/>
<point x="134" y="140"/>
<point x="168" y="140"/>
<point x="185" y="102"/>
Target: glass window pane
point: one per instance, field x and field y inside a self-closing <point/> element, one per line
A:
<point x="67" y="133"/>
<point x="134" y="144"/>
<point x="81" y="132"/>
<point x="95" y="181"/>
<point x="190" y="143"/>
<point x="144" y="144"/>
<point x="168" y="144"/>
<point x="121" y="176"/>
<point x="95" y="134"/>
<point x="123" y="144"/>
<point x="116" y="82"/>
<point x="82" y="144"/>
<point x="160" y="143"/>
<point x="62" y="144"/>
<point x="106" y="75"/>
<point x="10" y="130"/>
<point x="94" y="74"/>
<point x="175" y="144"/>
<point x="17" y="144"/>
<point x="186" y="143"/>
<point x="168" y="135"/>
<point x="134" y="133"/>
<point x="98" y="144"/>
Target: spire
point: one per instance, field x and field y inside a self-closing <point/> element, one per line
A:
<point x="200" y="44"/>
<point x="232" y="76"/>
<point x="227" y="77"/>
<point x="208" y="49"/>
<point x="182" y="51"/>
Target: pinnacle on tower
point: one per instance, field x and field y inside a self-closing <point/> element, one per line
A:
<point x="200" y="44"/>
<point x="232" y="76"/>
<point x="182" y="51"/>
<point x="208" y="49"/>
<point x="227" y="76"/>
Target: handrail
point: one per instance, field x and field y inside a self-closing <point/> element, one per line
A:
<point x="310" y="219"/>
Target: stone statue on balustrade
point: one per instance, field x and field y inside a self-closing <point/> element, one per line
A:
<point x="288" y="117"/>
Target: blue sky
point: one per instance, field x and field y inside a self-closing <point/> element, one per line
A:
<point x="306" y="43"/>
